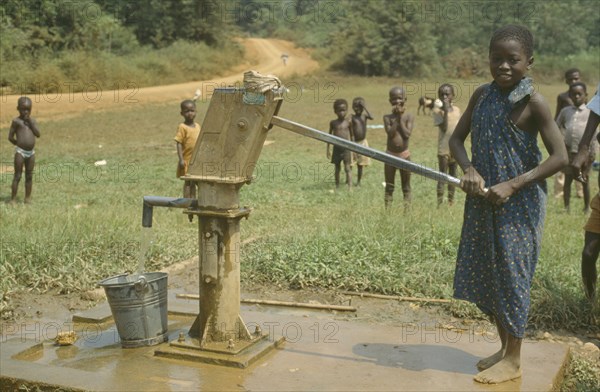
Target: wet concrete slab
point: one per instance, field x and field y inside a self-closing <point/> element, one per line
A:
<point x="322" y="352"/>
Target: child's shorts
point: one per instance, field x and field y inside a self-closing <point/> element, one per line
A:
<point x="340" y="155"/>
<point x="362" y="160"/>
<point x="593" y="223"/>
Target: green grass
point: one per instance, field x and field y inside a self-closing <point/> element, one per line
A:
<point x="85" y="222"/>
<point x="582" y="374"/>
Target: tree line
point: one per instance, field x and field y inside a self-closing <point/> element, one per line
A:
<point x="363" y="37"/>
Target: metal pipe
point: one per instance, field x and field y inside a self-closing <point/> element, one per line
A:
<point x="160" y="201"/>
<point x="366" y="151"/>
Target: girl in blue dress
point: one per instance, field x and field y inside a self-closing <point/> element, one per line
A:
<point x="502" y="229"/>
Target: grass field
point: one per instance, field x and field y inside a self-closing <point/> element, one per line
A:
<point x="85" y="222"/>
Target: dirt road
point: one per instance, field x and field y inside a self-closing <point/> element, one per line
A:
<point x="262" y="55"/>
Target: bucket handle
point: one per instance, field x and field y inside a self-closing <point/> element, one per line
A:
<point x="141" y="285"/>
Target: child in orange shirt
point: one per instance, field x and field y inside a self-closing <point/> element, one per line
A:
<point x="187" y="134"/>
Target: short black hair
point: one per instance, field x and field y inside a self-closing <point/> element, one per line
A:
<point x="578" y="84"/>
<point x="571" y="71"/>
<point x="187" y="102"/>
<point x="338" y="102"/>
<point x="358" y="99"/>
<point x="446" y="85"/>
<point x="25" y="100"/>
<point x="397" y="88"/>
<point x="521" y="34"/>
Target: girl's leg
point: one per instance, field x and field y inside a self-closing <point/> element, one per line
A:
<point x="348" y="170"/>
<point x="589" y="257"/>
<point x="443" y="168"/>
<point x="193" y="189"/>
<point x="490" y="361"/>
<point x="359" y="170"/>
<point x="29" y="165"/>
<point x="389" y="174"/>
<point x="567" y="190"/>
<point x="405" y="178"/>
<point x="509" y="367"/>
<point x="337" y="174"/>
<point x="18" y="163"/>
<point x="186" y="189"/>
<point x="586" y="197"/>
<point x="452" y="171"/>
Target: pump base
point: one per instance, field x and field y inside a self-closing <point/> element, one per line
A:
<point x="241" y="356"/>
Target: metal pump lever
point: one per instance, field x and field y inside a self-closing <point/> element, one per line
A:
<point x="366" y="151"/>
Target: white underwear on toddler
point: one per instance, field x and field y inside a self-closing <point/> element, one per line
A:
<point x="24" y="153"/>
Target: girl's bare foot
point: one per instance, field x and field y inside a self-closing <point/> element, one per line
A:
<point x="502" y="371"/>
<point x="490" y="361"/>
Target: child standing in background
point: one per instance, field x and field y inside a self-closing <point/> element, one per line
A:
<point x="187" y="134"/>
<point x="572" y="75"/>
<point x="341" y="127"/>
<point x="23" y="132"/>
<point x="591" y="248"/>
<point x="398" y="126"/>
<point x="445" y="118"/>
<point x="563" y="99"/>
<point x="359" y="128"/>
<point x="572" y="121"/>
<point x="502" y="231"/>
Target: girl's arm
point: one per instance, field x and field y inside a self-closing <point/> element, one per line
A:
<point x="180" y="155"/>
<point x="406" y="125"/>
<point x="388" y="126"/>
<point x="32" y="124"/>
<point x="554" y="143"/>
<point x="445" y="108"/>
<point x="12" y="137"/>
<point x="329" y="145"/>
<point x="471" y="182"/>
<point x="581" y="158"/>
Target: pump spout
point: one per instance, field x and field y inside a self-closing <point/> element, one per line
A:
<point x="159" y="201"/>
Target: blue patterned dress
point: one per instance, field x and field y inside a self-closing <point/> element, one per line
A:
<point x="500" y="245"/>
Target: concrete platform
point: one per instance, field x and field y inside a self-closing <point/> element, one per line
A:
<point x="321" y="353"/>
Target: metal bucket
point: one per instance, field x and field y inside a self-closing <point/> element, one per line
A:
<point x="138" y="304"/>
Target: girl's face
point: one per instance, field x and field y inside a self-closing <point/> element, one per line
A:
<point x="572" y="78"/>
<point x="577" y="95"/>
<point x="341" y="111"/>
<point x="188" y="112"/>
<point x="24" y="109"/>
<point x="508" y="62"/>
<point x="446" y="94"/>
<point x="397" y="97"/>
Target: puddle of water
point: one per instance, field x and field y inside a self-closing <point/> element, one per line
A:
<point x="95" y="349"/>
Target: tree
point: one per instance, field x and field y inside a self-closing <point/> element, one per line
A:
<point x="381" y="38"/>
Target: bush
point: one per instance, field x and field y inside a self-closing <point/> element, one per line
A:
<point x="552" y="68"/>
<point x="82" y="70"/>
<point x="465" y="64"/>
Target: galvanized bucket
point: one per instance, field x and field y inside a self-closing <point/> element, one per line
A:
<point x="138" y="303"/>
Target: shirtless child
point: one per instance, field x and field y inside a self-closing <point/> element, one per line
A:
<point x="341" y="127"/>
<point x="22" y="134"/>
<point x="398" y="126"/>
<point x="445" y="117"/>
<point x="359" y="128"/>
